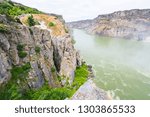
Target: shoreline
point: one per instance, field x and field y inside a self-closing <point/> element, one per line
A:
<point x="89" y="90"/>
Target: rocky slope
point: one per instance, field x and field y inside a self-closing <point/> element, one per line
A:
<point x="129" y="24"/>
<point x="37" y="56"/>
<point x="47" y="53"/>
<point x="38" y="45"/>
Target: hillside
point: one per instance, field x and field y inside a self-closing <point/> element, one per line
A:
<point x="128" y="24"/>
<point x="38" y="59"/>
<point x="37" y="56"/>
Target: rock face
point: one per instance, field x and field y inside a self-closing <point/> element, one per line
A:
<point x="65" y="58"/>
<point x="89" y="91"/>
<point x="49" y="55"/>
<point x="129" y="24"/>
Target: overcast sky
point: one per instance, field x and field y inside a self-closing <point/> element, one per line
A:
<point x="73" y="10"/>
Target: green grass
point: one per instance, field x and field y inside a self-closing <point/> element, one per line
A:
<point x="20" y="47"/>
<point x="37" y="49"/>
<point x="21" y="52"/>
<point x="51" y="24"/>
<point x="11" y="9"/>
<point x="14" y="91"/>
<point x="20" y="72"/>
<point x="53" y="69"/>
<point x="81" y="75"/>
<point x="47" y="93"/>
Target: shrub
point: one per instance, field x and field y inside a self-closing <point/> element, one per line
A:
<point x="51" y="24"/>
<point x="37" y="49"/>
<point x="53" y="69"/>
<point x="3" y="28"/>
<point x="14" y="90"/>
<point x="22" y="54"/>
<point x="20" y="47"/>
<point x="31" y="21"/>
<point x="20" y="71"/>
<point x="26" y="67"/>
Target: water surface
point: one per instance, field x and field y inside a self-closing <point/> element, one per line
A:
<point x="122" y="67"/>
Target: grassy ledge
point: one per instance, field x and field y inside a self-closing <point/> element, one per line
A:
<point x="13" y="9"/>
<point x="17" y="88"/>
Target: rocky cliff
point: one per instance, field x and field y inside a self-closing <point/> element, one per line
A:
<point x="129" y="24"/>
<point x="37" y="57"/>
<point x="48" y="51"/>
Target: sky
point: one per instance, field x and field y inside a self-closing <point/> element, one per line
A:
<point x="74" y="10"/>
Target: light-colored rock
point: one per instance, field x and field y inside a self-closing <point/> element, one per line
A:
<point x="65" y="57"/>
<point x="89" y="91"/>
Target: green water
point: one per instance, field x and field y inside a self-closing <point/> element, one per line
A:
<point x="122" y="67"/>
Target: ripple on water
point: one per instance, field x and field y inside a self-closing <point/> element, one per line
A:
<point x="116" y="63"/>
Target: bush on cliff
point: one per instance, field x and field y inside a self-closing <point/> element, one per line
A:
<point x="3" y="28"/>
<point x="31" y="21"/>
<point x="51" y="24"/>
<point x="37" y="49"/>
<point x="21" y="52"/>
<point x="17" y="88"/>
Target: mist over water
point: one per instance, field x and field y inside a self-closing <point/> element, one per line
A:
<point x="122" y="67"/>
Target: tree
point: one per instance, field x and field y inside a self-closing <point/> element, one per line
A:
<point x="31" y="21"/>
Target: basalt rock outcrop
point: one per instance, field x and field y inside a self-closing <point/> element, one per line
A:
<point x="48" y="50"/>
<point x="128" y="24"/>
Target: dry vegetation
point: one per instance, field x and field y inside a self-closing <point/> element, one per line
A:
<point x="57" y="30"/>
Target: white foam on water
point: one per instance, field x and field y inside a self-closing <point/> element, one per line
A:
<point x="112" y="94"/>
<point x="117" y="98"/>
<point x="144" y="73"/>
<point x="107" y="74"/>
<point x="146" y="82"/>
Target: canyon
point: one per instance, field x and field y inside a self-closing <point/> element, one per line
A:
<point x="128" y="24"/>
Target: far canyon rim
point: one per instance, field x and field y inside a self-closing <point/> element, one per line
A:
<point x="128" y="24"/>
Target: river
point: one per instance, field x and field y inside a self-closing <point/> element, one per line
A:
<point x="122" y="67"/>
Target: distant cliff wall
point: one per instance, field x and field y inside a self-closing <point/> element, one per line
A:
<point x="128" y="24"/>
